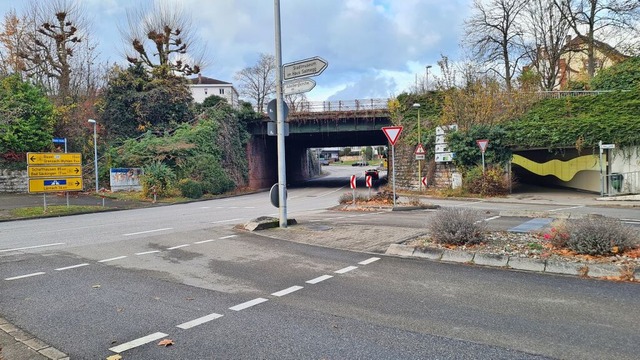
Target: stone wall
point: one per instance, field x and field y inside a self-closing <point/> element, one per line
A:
<point x="14" y="181"/>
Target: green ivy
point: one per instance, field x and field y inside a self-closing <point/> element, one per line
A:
<point x="468" y="154"/>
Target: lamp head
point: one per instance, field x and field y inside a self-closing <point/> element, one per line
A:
<point x="416" y="105"/>
<point x="91" y="121"/>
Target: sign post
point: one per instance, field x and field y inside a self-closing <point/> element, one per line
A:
<point x="604" y="176"/>
<point x="352" y="183"/>
<point x="54" y="172"/>
<point x="420" y="155"/>
<point x="368" y="183"/>
<point x="393" y="133"/>
<point x="482" y="144"/>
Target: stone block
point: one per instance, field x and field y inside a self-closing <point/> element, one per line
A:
<point x="604" y="270"/>
<point x="429" y="253"/>
<point x="528" y="264"/>
<point x="558" y="267"/>
<point x="400" y="250"/>
<point x="36" y="344"/>
<point x="490" y="259"/>
<point x="457" y="256"/>
<point x="53" y="353"/>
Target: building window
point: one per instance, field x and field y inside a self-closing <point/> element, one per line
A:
<point x="221" y="91"/>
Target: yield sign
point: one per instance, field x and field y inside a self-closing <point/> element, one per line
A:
<point x="482" y="144"/>
<point x="420" y="150"/>
<point x="392" y="133"/>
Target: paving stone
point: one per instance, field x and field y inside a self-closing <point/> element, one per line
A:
<point x="8" y="328"/>
<point x="429" y="253"/>
<point x="11" y="349"/>
<point x="53" y="353"/>
<point x="491" y="259"/>
<point x="3" y="321"/>
<point x="400" y="250"/>
<point x="524" y="263"/>
<point x="636" y="274"/>
<point x="557" y="267"/>
<point x="21" y="335"/>
<point x="602" y="270"/>
<point x="36" y="344"/>
<point x="457" y="256"/>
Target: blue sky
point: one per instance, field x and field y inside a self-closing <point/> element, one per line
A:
<point x="375" y="48"/>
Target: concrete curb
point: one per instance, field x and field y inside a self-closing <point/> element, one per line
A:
<point x="18" y="344"/>
<point x="551" y="266"/>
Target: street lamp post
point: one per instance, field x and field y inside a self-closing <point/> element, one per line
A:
<point x="95" y="150"/>
<point x="417" y="106"/>
<point x="426" y="79"/>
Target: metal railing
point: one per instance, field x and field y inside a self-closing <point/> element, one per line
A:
<point x="340" y="105"/>
<point x="624" y="183"/>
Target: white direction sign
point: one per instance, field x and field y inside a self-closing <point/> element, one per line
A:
<point x="298" y="86"/>
<point x="308" y="67"/>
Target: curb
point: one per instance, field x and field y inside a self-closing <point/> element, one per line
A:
<point x="25" y="345"/>
<point x="552" y="266"/>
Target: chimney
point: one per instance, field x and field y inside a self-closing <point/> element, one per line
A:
<point x="199" y="78"/>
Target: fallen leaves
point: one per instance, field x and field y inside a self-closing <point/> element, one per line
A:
<point x="165" y="342"/>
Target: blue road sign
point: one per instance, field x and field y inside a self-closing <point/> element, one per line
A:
<point x="58" y="140"/>
<point x="54" y="182"/>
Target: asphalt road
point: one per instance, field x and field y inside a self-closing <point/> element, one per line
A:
<point x="96" y="284"/>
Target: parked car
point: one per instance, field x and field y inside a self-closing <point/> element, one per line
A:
<point x="360" y="163"/>
<point x="324" y="161"/>
<point x="373" y="173"/>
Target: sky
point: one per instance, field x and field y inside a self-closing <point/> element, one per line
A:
<point x="375" y="48"/>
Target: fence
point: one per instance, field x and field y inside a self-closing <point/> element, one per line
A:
<point x="341" y="105"/>
<point x="621" y="183"/>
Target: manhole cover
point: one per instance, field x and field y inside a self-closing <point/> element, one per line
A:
<point x="319" y="227"/>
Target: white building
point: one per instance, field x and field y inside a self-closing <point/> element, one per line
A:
<point x="203" y="87"/>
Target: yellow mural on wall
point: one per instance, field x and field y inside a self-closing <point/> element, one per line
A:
<point x="563" y="170"/>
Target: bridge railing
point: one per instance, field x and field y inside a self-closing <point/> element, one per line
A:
<point x="340" y="105"/>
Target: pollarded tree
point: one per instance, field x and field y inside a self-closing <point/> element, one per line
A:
<point x="162" y="40"/>
<point x="258" y="82"/>
<point x="589" y="18"/>
<point x="494" y="33"/>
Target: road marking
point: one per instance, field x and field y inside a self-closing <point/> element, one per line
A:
<point x="346" y="270"/>
<point x="137" y="342"/>
<point x="492" y="218"/>
<point x="24" y="276"/>
<point x="248" y="304"/>
<point x="31" y="247"/>
<point x="148" y="252"/>
<point x="227" y="237"/>
<point x="287" y="291"/>
<point x="249" y="207"/>
<point x="568" y="208"/>
<point x="204" y="207"/>
<point x="112" y="259"/>
<point x="319" y="279"/>
<point x="204" y="241"/>
<point x="199" y="321"/>
<point x="369" y="261"/>
<point x="224" y="221"/>
<point x="71" y="267"/>
<point x="178" y="247"/>
<point x="146" y="232"/>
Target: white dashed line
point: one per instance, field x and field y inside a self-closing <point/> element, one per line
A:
<point x="287" y="291"/>
<point x="31" y="247"/>
<point x="71" y="267"/>
<point x="146" y="232"/>
<point x="224" y="221"/>
<point x="346" y="270"/>
<point x="492" y="218"/>
<point x="148" y="252"/>
<point x="228" y="237"/>
<point x="369" y="261"/>
<point x="137" y="342"/>
<point x="24" y="276"/>
<point x="178" y="247"/>
<point x="204" y="241"/>
<point x="319" y="279"/>
<point x="248" y="304"/>
<point x="567" y="208"/>
<point x="112" y="259"/>
<point x="204" y="207"/>
<point x="199" y="321"/>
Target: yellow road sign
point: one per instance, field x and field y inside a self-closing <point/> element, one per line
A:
<point x="55" y="184"/>
<point x="53" y="158"/>
<point x="54" y="171"/>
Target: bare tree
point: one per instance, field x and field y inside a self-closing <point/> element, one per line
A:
<point x="547" y="30"/>
<point x="12" y="37"/>
<point x="258" y="82"/>
<point x="296" y="102"/>
<point x="51" y="43"/>
<point x="162" y="39"/>
<point x="589" y="17"/>
<point x="494" y="33"/>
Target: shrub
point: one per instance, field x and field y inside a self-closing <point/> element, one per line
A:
<point x="190" y="188"/>
<point x="347" y="198"/>
<point x="457" y="226"/>
<point x="493" y="182"/>
<point x="157" y="176"/>
<point x="558" y="236"/>
<point x="604" y="236"/>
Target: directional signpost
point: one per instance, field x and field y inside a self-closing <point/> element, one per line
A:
<point x="308" y="67"/>
<point x="298" y="86"/>
<point x="55" y="184"/>
<point x="53" y="158"/>
<point x="54" y="172"/>
<point x="51" y="171"/>
<point x="393" y="133"/>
